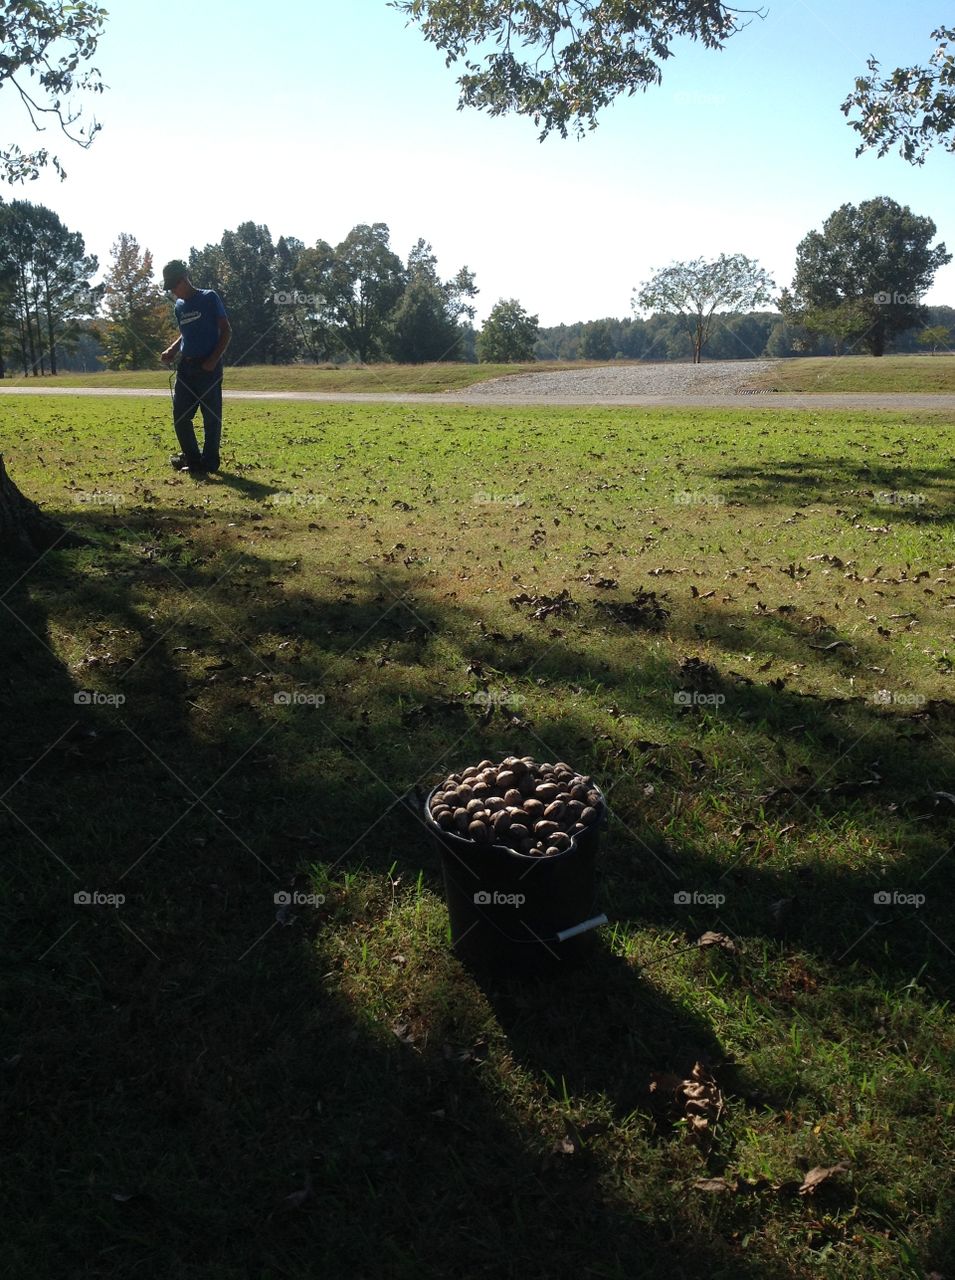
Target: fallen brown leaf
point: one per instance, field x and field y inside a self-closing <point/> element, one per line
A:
<point x="815" y="1177"/>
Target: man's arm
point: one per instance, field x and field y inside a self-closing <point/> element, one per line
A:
<point x="225" y="337"/>
<point x="170" y="353"/>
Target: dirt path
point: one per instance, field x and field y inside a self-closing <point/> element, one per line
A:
<point x="721" y="384"/>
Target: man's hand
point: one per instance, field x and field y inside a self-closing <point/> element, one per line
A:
<point x="210" y="364"/>
<point x="168" y="356"/>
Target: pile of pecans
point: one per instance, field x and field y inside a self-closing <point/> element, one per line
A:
<point x="535" y="809"/>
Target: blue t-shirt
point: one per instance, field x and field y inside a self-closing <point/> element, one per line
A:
<point x="198" y="320"/>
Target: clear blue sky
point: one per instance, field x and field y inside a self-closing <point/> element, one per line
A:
<point x="314" y="115"/>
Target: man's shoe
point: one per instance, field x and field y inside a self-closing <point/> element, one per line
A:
<point x="179" y="463"/>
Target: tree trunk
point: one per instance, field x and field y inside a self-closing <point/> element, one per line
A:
<point x="24" y="529"/>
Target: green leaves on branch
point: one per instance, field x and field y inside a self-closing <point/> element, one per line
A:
<point x="699" y="290"/>
<point x="43" y="52"/>
<point x="913" y="108"/>
<point x="562" y="62"/>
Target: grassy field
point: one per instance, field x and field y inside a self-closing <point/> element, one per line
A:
<point x="829" y="374"/>
<point x="862" y="373"/>
<point x="241" y="687"/>
<point x="417" y="378"/>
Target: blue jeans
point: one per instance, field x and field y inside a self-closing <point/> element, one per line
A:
<point x="196" y="389"/>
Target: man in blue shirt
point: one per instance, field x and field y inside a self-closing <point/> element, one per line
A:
<point x="204" y="334"/>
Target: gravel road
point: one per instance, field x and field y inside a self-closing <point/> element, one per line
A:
<point x="723" y="384"/>
<point x="721" y="378"/>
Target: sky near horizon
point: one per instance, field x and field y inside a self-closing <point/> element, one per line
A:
<point x="315" y="116"/>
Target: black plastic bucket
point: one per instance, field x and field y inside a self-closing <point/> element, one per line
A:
<point x="511" y="913"/>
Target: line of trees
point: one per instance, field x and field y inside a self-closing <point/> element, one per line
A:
<point x="734" y="336"/>
<point x="286" y="302"/>
<point x="857" y="286"/>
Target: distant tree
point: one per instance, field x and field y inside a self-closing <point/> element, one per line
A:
<point x="913" y="107"/>
<point x="240" y="268"/>
<point x="596" y="342"/>
<point x="508" y="335"/>
<point x="935" y="336"/>
<point x="425" y="324"/>
<point x="47" y="266"/>
<point x="314" y="296"/>
<point x="138" y="320"/>
<point x="42" y="51"/>
<point x="6" y="313"/>
<point x="697" y="290"/>
<point x="561" y="61"/>
<point x="288" y="339"/>
<point x="861" y="278"/>
<point x="353" y="288"/>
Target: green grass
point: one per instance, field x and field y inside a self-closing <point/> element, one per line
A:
<point x="862" y="373"/>
<point x="178" y="1066"/>
<point x="359" y="379"/>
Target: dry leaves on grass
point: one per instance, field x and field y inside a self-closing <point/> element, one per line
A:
<point x="696" y="1100"/>
<point x="741" y="1186"/>
<point x="646" y="609"/>
<point x="574" y="1140"/>
<point x="560" y="605"/>
<point x="722" y="940"/>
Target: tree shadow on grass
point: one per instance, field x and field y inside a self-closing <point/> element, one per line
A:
<point x="902" y="494"/>
<point x="227" y="1108"/>
<point x="205" y="1016"/>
